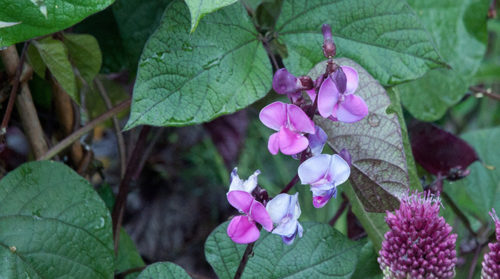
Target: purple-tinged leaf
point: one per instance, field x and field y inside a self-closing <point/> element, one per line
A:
<point x="379" y="173"/>
<point x="440" y="152"/>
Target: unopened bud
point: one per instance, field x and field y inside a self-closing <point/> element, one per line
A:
<point x="285" y="83"/>
<point x="329" y="48"/>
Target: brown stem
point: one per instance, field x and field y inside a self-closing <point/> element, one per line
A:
<point x="244" y="261"/>
<point x="458" y="212"/>
<point x="24" y="104"/>
<point x="339" y="212"/>
<point x="116" y="126"/>
<point x="485" y="92"/>
<point x="132" y="172"/>
<point x="82" y="131"/>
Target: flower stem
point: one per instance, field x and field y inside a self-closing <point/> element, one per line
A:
<point x="339" y="212"/>
<point x="292" y="183"/>
<point x="244" y="261"/>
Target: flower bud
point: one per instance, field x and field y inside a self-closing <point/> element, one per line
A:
<point x="286" y="83"/>
<point x="329" y="48"/>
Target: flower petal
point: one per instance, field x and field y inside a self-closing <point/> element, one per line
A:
<point x="259" y="213"/>
<point x="286" y="228"/>
<point x="250" y="184"/>
<point x="273" y="145"/>
<point x="240" y="200"/>
<point x="285" y="83"/>
<point x="241" y="230"/>
<point x="278" y="207"/>
<point x="327" y="98"/>
<point x="312" y="94"/>
<point x="291" y="143"/>
<point x="273" y="115"/>
<point x="299" y="119"/>
<point x="352" y="79"/>
<point x="317" y="141"/>
<point x="321" y="198"/>
<point x="314" y="169"/>
<point x="352" y="109"/>
<point x="339" y="170"/>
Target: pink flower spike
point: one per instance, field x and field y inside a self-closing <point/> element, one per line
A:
<point x="352" y="109"/>
<point x="243" y="231"/>
<point x="291" y="122"/>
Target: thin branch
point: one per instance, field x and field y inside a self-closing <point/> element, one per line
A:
<point x="116" y="125"/>
<point x="290" y="184"/>
<point x="13" y="91"/>
<point x="131" y="173"/>
<point x="339" y="212"/>
<point x="485" y="92"/>
<point x="85" y="129"/>
<point x="244" y="261"/>
<point x="458" y="212"/>
<point x="473" y="264"/>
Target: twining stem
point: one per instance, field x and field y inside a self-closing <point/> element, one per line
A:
<point x="458" y="212"/>
<point x="85" y="129"/>
<point x="131" y="173"/>
<point x="290" y="184"/>
<point x="485" y="92"/>
<point x="244" y="260"/>
<point x="339" y="212"/>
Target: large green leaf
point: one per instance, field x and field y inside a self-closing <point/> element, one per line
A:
<point x="187" y="79"/>
<point x="384" y="36"/>
<point x="379" y="174"/>
<point x="33" y="18"/>
<point x="54" y="55"/>
<point x="321" y="252"/>
<point x="85" y="54"/>
<point x="53" y="225"/>
<point x="136" y="20"/>
<point x="164" y="270"/>
<point x="459" y="29"/>
<point x="128" y="257"/>
<point x="367" y="267"/>
<point x="199" y="8"/>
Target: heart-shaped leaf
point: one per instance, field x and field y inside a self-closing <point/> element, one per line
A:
<point x="164" y="270"/>
<point x="379" y="174"/>
<point x="53" y="225"/>
<point x="321" y="252"/>
<point x="384" y="36"/>
<point x="33" y="18"/>
<point x="188" y="78"/>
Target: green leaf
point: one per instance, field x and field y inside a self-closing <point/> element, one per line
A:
<point x="459" y="30"/>
<point x="187" y="78"/>
<point x="199" y="8"/>
<point x="95" y="103"/>
<point x="164" y="270"/>
<point x="367" y="267"/>
<point x="128" y="257"/>
<point x="136" y="20"/>
<point x="379" y="174"/>
<point x="36" y="18"/>
<point x="482" y="185"/>
<point x="85" y="54"/>
<point x="53" y="225"/>
<point x="385" y="37"/>
<point x="321" y="252"/>
<point x="55" y="56"/>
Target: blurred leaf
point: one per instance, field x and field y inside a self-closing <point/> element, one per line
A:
<point x="164" y="270"/>
<point x="95" y="103"/>
<point x="367" y="267"/>
<point x="440" y="152"/>
<point x="85" y="54"/>
<point x="379" y="173"/>
<point x="187" y="78"/>
<point x="53" y="225"/>
<point x="321" y="252"/>
<point x="55" y="56"/>
<point x="136" y="20"/>
<point x="459" y="30"/>
<point x="128" y="257"/>
<point x="385" y="37"/>
<point x="200" y="8"/>
<point x="41" y="17"/>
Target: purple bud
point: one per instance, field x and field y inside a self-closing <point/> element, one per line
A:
<point x="346" y="156"/>
<point x="340" y="79"/>
<point x="285" y="83"/>
<point x="419" y="243"/>
<point x="327" y="31"/>
<point x="491" y="262"/>
<point x="329" y="48"/>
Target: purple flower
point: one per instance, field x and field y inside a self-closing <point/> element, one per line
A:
<point x="491" y="262"/>
<point x="419" y="243"/>
<point x="243" y="185"/>
<point x="291" y="122"/>
<point x="284" y="210"/>
<point x="242" y="229"/>
<point x="324" y="173"/>
<point x="336" y="100"/>
<point x="317" y="141"/>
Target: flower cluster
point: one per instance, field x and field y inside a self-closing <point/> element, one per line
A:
<point x="332" y="96"/>
<point x="491" y="262"/>
<point x="419" y="243"/>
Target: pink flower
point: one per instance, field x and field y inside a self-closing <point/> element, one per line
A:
<point x="291" y="122"/>
<point x="242" y="229"/>
<point x="336" y="100"/>
<point x="491" y="262"/>
<point x="324" y="173"/>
